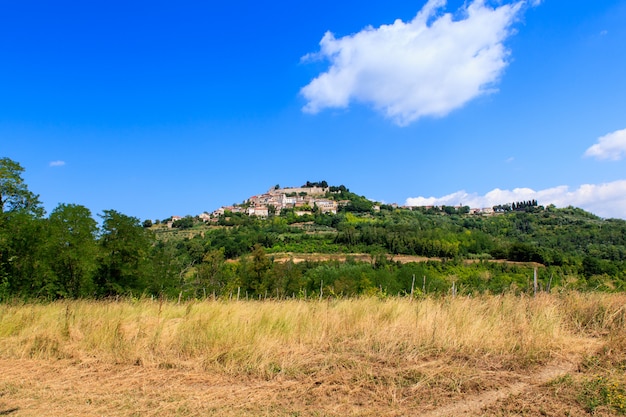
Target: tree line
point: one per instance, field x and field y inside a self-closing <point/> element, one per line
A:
<point x="68" y="254"/>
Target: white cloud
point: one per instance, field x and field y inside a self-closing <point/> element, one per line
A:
<point x="605" y="200"/>
<point x="611" y="146"/>
<point x="426" y="67"/>
<point x="57" y="163"/>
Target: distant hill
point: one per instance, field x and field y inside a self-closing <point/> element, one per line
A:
<point x="569" y="238"/>
<point x="310" y="241"/>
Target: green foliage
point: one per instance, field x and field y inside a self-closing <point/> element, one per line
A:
<point x="124" y="248"/>
<point x="186" y="222"/>
<point x="321" y="184"/>
<point x="14" y="194"/>
<point x="603" y="391"/>
<point x="23" y="255"/>
<point x="66" y="255"/>
<point x="73" y="250"/>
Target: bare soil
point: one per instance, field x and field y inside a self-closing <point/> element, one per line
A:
<point x="366" y="257"/>
<point x="30" y="387"/>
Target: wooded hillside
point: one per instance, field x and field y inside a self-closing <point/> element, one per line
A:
<point x="67" y="254"/>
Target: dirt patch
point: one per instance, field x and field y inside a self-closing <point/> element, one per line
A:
<point x="366" y="257"/>
<point x="474" y="405"/>
<point x="62" y="388"/>
<point x="343" y="257"/>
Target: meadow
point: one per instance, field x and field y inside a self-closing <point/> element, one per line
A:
<point x="487" y="355"/>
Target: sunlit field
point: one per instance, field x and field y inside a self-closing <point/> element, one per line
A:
<point x="360" y="356"/>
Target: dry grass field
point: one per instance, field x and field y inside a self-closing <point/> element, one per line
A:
<point x="554" y="355"/>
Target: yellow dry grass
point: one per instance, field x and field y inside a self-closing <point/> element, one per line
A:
<point x="363" y="356"/>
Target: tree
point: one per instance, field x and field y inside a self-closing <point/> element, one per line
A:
<point x="591" y="266"/>
<point x="257" y="270"/>
<point x="184" y="223"/>
<point x="125" y="245"/>
<point x="14" y="194"/>
<point x="22" y="233"/>
<point x="73" y="249"/>
<point x="162" y="275"/>
<point x="23" y="258"/>
<point x="209" y="272"/>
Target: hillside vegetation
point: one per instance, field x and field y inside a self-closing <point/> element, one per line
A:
<point x="66" y="254"/>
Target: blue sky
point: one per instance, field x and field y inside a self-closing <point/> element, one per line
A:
<point x="157" y="109"/>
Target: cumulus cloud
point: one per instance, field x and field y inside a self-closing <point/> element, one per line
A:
<point x="605" y="200"/>
<point x="428" y="66"/>
<point x="57" y="163"/>
<point x="611" y="146"/>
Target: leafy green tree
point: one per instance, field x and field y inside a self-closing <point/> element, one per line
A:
<point x="591" y="266"/>
<point x="254" y="271"/>
<point x="359" y="204"/>
<point x="184" y="223"/>
<point x="286" y="278"/>
<point x="164" y="269"/>
<point x="14" y="194"/>
<point x="125" y="246"/>
<point x="210" y="273"/>
<point x="23" y="258"/>
<point x="22" y="234"/>
<point x="73" y="249"/>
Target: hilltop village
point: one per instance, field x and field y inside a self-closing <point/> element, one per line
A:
<point x="319" y="197"/>
<point x="303" y="200"/>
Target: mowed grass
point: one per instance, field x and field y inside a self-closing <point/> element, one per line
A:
<point x="367" y="356"/>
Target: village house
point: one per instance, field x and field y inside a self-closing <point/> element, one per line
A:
<point x="327" y="206"/>
<point x="288" y="201"/>
<point x="170" y="223"/>
<point x="259" y="211"/>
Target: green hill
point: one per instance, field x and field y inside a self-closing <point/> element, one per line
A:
<point x="497" y="252"/>
<point x="354" y="246"/>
